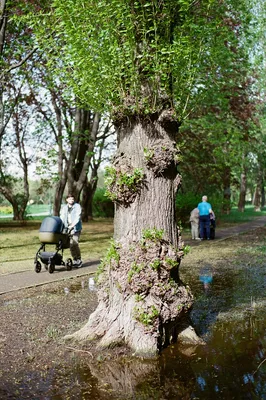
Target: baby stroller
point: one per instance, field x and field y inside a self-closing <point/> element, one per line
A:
<point x="212" y="229"/>
<point x="52" y="232"/>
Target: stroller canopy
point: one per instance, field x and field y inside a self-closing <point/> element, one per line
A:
<point x="52" y="224"/>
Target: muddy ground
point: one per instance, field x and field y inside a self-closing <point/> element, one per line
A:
<point x="34" y="322"/>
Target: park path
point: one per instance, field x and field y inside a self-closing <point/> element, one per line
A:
<point x="27" y="279"/>
<point x="20" y="280"/>
<point x="227" y="232"/>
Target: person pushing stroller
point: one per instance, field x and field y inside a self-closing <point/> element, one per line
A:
<point x="71" y="216"/>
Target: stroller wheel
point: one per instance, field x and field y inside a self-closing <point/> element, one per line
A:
<point x="51" y="268"/>
<point x="69" y="264"/>
<point x="38" y="267"/>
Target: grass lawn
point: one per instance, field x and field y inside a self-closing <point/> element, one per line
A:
<point x="20" y="241"/>
<point x="236" y="217"/>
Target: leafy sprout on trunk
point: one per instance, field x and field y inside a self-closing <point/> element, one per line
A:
<point x="123" y="187"/>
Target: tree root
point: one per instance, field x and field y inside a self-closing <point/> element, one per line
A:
<point x="189" y="336"/>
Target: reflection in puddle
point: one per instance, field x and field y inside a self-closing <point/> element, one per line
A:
<point x="92" y="284"/>
<point x="66" y="290"/>
<point x="88" y="284"/>
<point x="206" y="278"/>
<point x="229" y="314"/>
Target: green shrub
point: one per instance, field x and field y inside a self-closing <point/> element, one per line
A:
<point x="101" y="205"/>
<point x="185" y="203"/>
<point x="6" y="210"/>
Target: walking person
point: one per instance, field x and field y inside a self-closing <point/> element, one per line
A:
<point x="71" y="217"/>
<point x="194" y="221"/>
<point x="204" y="217"/>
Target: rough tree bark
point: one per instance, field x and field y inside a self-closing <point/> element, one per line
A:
<point x="73" y="168"/>
<point x="86" y="130"/>
<point x="257" y="194"/>
<point x="3" y="23"/>
<point x="227" y="190"/>
<point x="142" y="301"/>
<point x="257" y="198"/>
<point x="62" y="172"/>
<point x="90" y="186"/>
<point x="134" y="378"/>
<point x="88" y="191"/>
<point x="243" y="191"/>
<point x="262" y="195"/>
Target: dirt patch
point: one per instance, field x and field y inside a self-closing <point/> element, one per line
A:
<point x="34" y="321"/>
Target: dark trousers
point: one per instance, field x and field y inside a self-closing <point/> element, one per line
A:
<point x="204" y="224"/>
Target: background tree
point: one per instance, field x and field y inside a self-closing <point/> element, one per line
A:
<point x="103" y="146"/>
<point x="55" y="112"/>
<point x="15" y="49"/>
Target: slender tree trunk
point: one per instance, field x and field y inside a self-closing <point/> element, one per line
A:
<point x="257" y="194"/>
<point x="62" y="172"/>
<point x="86" y="130"/>
<point x="87" y="197"/>
<point x="59" y="192"/>
<point x="73" y="170"/>
<point x="3" y="24"/>
<point x="86" y="203"/>
<point x="243" y="191"/>
<point x="227" y="190"/>
<point x="257" y="198"/>
<point x="91" y="185"/>
<point x="262" y="195"/>
<point x="142" y="301"/>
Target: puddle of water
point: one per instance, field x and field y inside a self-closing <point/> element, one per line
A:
<point x="88" y="284"/>
<point x="229" y="313"/>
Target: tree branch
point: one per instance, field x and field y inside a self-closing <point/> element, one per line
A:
<point x="19" y="63"/>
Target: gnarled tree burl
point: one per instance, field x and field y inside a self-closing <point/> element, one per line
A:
<point x="142" y="301"/>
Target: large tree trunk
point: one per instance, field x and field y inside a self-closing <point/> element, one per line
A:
<point x="142" y="301"/>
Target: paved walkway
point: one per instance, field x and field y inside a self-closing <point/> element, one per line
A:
<point x="225" y="233"/>
<point x="26" y="279"/>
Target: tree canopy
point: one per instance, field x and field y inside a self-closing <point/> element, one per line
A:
<point x="138" y="57"/>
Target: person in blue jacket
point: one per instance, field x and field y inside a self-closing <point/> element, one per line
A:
<point x="71" y="217"/>
<point x="204" y="217"/>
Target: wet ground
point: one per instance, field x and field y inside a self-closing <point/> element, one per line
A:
<point x="228" y="281"/>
